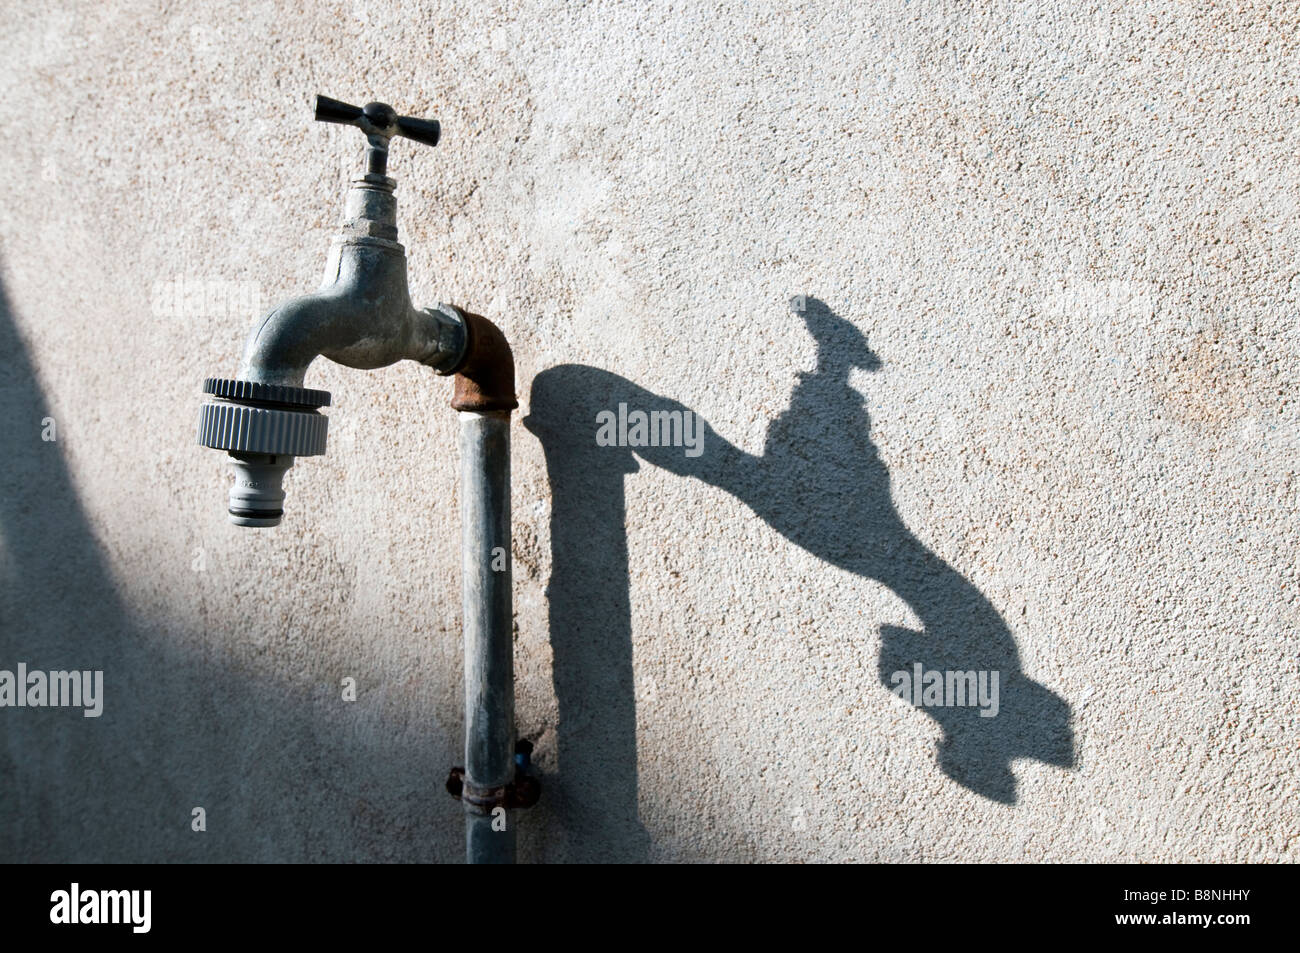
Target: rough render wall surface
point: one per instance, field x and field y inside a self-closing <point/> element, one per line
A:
<point x="1051" y="246"/>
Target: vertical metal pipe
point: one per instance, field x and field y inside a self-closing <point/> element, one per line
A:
<point x="489" y="636"/>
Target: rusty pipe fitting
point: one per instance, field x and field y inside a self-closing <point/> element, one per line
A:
<point x="485" y="375"/>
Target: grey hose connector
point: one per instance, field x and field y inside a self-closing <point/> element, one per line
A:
<point x="263" y="427"/>
<point x="257" y="497"/>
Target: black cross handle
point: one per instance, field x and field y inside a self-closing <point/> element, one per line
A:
<point x="380" y="123"/>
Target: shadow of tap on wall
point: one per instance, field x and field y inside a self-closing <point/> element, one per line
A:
<point x="819" y="482"/>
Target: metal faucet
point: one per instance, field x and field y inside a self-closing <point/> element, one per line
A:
<point x="362" y="316"/>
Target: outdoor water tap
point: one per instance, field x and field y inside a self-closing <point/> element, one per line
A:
<point x="360" y="317"/>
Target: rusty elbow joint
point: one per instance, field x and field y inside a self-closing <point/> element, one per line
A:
<point x="485" y="376"/>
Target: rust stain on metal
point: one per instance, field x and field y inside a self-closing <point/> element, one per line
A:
<point x="485" y="377"/>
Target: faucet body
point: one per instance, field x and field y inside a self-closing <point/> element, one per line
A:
<point x="362" y="314"/>
<point x="362" y="317"/>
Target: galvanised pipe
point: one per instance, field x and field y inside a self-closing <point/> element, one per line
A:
<point x="489" y="637"/>
<point x="484" y="396"/>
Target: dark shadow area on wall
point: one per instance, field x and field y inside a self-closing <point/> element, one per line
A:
<point x="819" y="482"/>
<point x="595" y="793"/>
<point x="282" y="775"/>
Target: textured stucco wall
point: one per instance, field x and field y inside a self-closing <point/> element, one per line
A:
<point x="1052" y="246"/>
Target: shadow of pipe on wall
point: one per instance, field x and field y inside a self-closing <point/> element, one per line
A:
<point x="820" y="483"/>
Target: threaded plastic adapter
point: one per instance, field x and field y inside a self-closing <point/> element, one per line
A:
<point x="255" y="392"/>
<point x="241" y="429"/>
<point x="263" y="427"/>
<point x="251" y="417"/>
